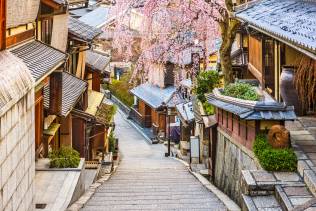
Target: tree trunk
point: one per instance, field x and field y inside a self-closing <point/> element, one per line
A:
<point x="228" y="31"/>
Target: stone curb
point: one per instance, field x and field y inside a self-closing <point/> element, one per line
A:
<point x="76" y="206"/>
<point x="229" y="203"/>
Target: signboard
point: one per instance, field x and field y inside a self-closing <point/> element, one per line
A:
<point x="195" y="146"/>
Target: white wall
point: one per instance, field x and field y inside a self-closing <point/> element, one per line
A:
<point x="17" y="155"/>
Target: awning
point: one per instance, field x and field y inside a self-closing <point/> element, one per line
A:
<point x="105" y="113"/>
<point x="40" y="58"/>
<point x="82" y="31"/>
<point x="292" y="21"/>
<point x="96" y="18"/>
<point x="72" y="90"/>
<point x="97" y="61"/>
<point x="153" y="95"/>
<point x="94" y="101"/>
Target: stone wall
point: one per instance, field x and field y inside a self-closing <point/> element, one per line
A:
<point x="231" y="159"/>
<point x="17" y="155"/>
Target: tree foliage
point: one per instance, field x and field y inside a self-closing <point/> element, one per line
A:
<point x="170" y="26"/>
<point x="206" y="82"/>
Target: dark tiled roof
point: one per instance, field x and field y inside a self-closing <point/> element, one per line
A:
<point x="260" y="111"/>
<point x="96" y="18"/>
<point x="175" y="100"/>
<point x="82" y="30"/>
<point x="290" y="20"/>
<point x="196" y="110"/>
<point x="97" y="61"/>
<point x="185" y="112"/>
<point x="153" y="95"/>
<point x="39" y="58"/>
<point x="73" y="88"/>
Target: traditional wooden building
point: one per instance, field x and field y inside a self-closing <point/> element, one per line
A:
<point x="42" y="60"/>
<point x="40" y="57"/>
<point x="238" y="123"/>
<point x="81" y="37"/>
<point x="98" y="70"/>
<point x="280" y="45"/>
<point x="150" y="109"/>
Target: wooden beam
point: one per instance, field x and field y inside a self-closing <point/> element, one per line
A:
<point x="55" y="93"/>
<point x="51" y="4"/>
<point x="15" y="39"/>
<point x="3" y="13"/>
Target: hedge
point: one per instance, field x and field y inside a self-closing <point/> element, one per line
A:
<point x="65" y="157"/>
<point x="242" y="91"/>
<point x="274" y="159"/>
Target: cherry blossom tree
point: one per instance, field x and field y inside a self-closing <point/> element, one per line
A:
<point x="170" y="26"/>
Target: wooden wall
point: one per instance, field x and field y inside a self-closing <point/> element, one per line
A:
<point x="242" y="131"/>
<point x="79" y="135"/>
<point x="96" y="81"/>
<point x="66" y="131"/>
<point x="39" y="118"/>
<point x="155" y="117"/>
<point x="255" y="57"/>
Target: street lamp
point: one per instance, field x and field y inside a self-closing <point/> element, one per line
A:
<point x="169" y="112"/>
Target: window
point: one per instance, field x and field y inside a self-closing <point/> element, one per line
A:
<point x="47" y="28"/>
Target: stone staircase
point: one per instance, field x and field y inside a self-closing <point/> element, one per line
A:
<point x="262" y="190"/>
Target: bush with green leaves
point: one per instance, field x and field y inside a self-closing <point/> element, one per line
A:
<point x="206" y="82"/>
<point x="112" y="142"/>
<point x="65" y="157"/>
<point x="274" y="159"/>
<point x="208" y="108"/>
<point x="242" y="91"/>
<point x="120" y="89"/>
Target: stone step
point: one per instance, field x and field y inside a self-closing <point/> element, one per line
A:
<point x="260" y="182"/>
<point x="289" y="197"/>
<point x="268" y="202"/>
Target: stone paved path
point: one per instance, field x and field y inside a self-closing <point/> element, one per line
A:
<point x="146" y="180"/>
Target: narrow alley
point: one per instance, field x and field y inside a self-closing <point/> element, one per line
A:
<point x="146" y="180"/>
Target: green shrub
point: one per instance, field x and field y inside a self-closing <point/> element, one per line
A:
<point x="120" y="89"/>
<point x="274" y="159"/>
<point x="242" y="91"/>
<point x="206" y="82"/>
<point x="208" y="108"/>
<point x="112" y="142"/>
<point x="65" y="157"/>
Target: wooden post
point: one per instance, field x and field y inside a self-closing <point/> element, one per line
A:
<point x="3" y="12"/>
<point x="55" y="92"/>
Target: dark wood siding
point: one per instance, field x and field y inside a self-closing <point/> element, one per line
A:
<point x="96" y="81"/>
<point x="2" y="24"/>
<point x="15" y="39"/>
<point x="79" y="135"/>
<point x="39" y="118"/>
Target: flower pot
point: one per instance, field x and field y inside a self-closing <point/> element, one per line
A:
<point x="288" y="91"/>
